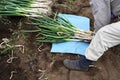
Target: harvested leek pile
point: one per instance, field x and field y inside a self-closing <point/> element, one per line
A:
<point x="14" y="7"/>
<point x="56" y="29"/>
<point x="24" y="7"/>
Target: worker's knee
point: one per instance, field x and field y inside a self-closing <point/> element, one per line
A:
<point x="102" y="30"/>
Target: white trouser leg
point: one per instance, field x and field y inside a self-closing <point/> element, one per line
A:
<point x="105" y="38"/>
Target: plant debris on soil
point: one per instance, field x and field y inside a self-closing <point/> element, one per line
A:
<point x="37" y="63"/>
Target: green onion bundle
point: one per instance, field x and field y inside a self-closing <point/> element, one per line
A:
<point x="18" y="7"/>
<point x="56" y="29"/>
<point x="15" y="7"/>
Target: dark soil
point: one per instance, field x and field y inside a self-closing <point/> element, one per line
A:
<point x="37" y="63"/>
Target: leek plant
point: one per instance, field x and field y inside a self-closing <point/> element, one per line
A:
<point x="15" y="7"/>
<point x="57" y="29"/>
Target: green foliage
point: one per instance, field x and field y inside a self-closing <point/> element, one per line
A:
<point x="5" y="49"/>
<point x="71" y="1"/>
<point x="5" y="45"/>
<point x="14" y="7"/>
<point x="57" y="29"/>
